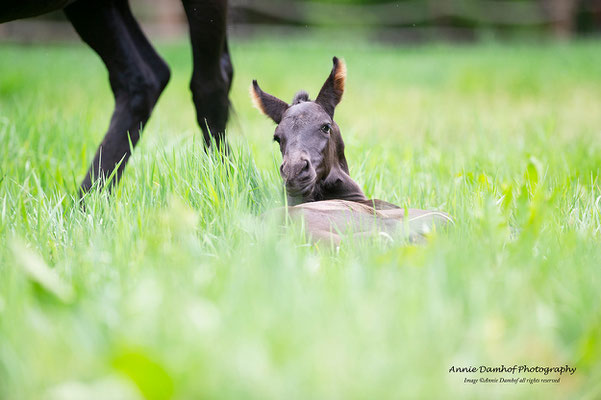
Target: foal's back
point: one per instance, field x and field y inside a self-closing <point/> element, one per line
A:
<point x="332" y="220"/>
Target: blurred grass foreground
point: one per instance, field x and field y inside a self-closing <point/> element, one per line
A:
<point x="174" y="287"/>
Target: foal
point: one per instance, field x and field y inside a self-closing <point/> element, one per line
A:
<point x="315" y="171"/>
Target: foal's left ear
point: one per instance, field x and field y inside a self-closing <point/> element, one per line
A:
<point x="331" y="92"/>
<point x="269" y="105"/>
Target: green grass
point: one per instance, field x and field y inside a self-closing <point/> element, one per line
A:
<point x="175" y="287"/>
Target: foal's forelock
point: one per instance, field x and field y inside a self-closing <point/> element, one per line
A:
<point x="300" y="97"/>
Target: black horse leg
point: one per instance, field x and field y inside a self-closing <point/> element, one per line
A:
<point x="227" y="69"/>
<point x="148" y="53"/>
<point x="136" y="73"/>
<point x="212" y="75"/>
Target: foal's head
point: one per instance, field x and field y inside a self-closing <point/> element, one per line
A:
<point x="313" y="163"/>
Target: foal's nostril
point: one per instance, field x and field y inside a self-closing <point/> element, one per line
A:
<point x="306" y="166"/>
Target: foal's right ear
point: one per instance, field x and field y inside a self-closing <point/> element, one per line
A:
<point x="269" y="105"/>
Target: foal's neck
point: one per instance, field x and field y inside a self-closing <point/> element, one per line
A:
<point x="339" y="185"/>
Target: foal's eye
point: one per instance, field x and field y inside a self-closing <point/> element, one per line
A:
<point x="276" y="138"/>
<point x="326" y="128"/>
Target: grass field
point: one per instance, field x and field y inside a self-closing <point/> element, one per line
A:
<point x="174" y="287"/>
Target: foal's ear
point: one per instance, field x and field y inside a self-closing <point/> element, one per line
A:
<point x="269" y="105"/>
<point x="331" y="92"/>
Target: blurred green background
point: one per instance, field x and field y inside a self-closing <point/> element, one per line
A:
<point x="397" y="21"/>
<point x="175" y="286"/>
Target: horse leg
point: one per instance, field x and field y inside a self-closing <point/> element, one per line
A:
<point x="227" y="69"/>
<point x="148" y="53"/>
<point x="212" y="71"/>
<point x="137" y="76"/>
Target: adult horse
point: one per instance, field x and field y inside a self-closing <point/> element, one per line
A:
<point x="137" y="74"/>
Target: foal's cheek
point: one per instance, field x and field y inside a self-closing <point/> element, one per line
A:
<point x="323" y="156"/>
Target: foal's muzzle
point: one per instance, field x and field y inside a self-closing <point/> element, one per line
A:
<point x="298" y="175"/>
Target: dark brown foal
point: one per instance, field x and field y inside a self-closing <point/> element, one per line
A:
<point x="315" y="171"/>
